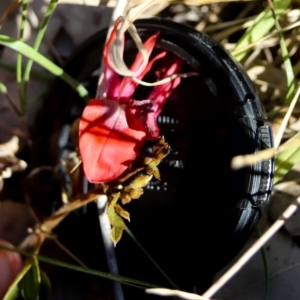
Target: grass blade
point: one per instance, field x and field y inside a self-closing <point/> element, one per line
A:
<point x="265" y="263"/>
<point x="14" y="289"/>
<point x="150" y="258"/>
<point x="262" y="24"/>
<point x="19" y="56"/>
<point x="44" y="62"/>
<point x="50" y="9"/>
<point x="122" y="279"/>
<point x="286" y="59"/>
<point x="286" y="159"/>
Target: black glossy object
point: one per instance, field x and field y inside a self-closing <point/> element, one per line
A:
<point x="199" y="216"/>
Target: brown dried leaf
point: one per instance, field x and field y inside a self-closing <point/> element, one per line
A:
<point x="140" y="181"/>
<point x="122" y="212"/>
<point x="136" y="193"/>
<point x="75" y="203"/>
<point x="12" y="6"/>
<point x="125" y="198"/>
<point x="155" y="172"/>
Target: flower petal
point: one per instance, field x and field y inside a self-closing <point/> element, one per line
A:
<point x="109" y="140"/>
<point x="161" y="93"/>
<point x="111" y="80"/>
<point x="128" y="86"/>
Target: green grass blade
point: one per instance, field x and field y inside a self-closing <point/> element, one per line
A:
<point x="121" y="279"/>
<point x="50" y="9"/>
<point x="30" y="284"/>
<point x="262" y="24"/>
<point x="14" y="289"/>
<point x="286" y="60"/>
<point x="151" y="258"/>
<point x="265" y="263"/>
<point x="44" y="62"/>
<point x="286" y="159"/>
<point x="19" y="56"/>
<point x="39" y="75"/>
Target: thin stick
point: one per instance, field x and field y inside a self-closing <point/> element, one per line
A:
<point x="253" y="250"/>
<point x="286" y="119"/>
<point x="64" y="248"/>
<point x="105" y="226"/>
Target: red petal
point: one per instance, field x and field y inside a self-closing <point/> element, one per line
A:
<point x="111" y="83"/>
<point x="128" y="86"/>
<point x="143" y="111"/>
<point x="106" y="142"/>
<point x="161" y="93"/>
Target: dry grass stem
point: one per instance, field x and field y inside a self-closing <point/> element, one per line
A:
<point x="253" y="249"/>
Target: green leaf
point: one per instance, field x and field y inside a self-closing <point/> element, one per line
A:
<point x="14" y="289"/>
<point x="115" y="220"/>
<point x="117" y="229"/>
<point x="50" y="9"/>
<point x="287" y="63"/>
<point x="286" y="159"/>
<point x="45" y="286"/>
<point x="117" y="223"/>
<point x="262" y="24"/>
<point x="113" y="201"/>
<point x="44" y="62"/>
<point x="19" y="57"/>
<point x="31" y="282"/>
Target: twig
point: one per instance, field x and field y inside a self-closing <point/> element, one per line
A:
<point x="253" y="250"/>
<point x="105" y="226"/>
<point x="286" y="119"/>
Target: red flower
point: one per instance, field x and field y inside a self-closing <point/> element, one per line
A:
<point x="112" y="130"/>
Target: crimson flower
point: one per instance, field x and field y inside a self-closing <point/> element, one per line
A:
<point x="112" y="130"/>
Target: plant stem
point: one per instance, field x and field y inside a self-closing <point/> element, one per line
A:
<point x="252" y="250"/>
<point x="50" y="9"/>
<point x="19" y="57"/>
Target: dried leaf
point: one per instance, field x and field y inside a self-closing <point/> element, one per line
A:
<point x="11" y="7"/>
<point x="125" y="197"/>
<point x="122" y="212"/>
<point x="140" y="181"/>
<point x="155" y="172"/>
<point x="136" y="193"/>
<point x="118" y="225"/>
